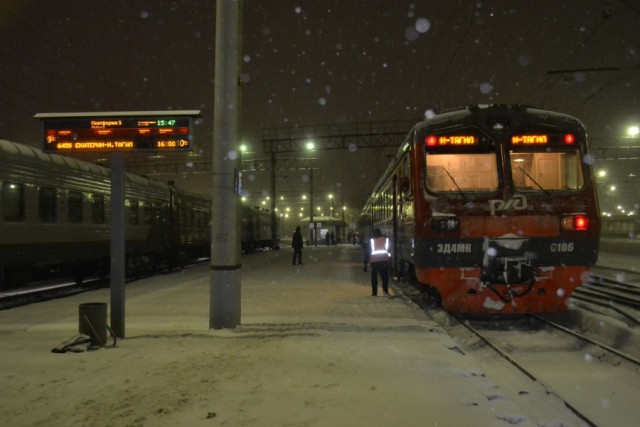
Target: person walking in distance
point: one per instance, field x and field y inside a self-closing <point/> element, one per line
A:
<point x="379" y="261"/>
<point x="296" y="244"/>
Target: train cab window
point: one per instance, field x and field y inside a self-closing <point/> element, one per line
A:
<point x="74" y="203"/>
<point x="47" y="204"/>
<point x="546" y="171"/>
<point x="133" y="212"/>
<point x="469" y="172"/>
<point x="13" y="201"/>
<point x="97" y="209"/>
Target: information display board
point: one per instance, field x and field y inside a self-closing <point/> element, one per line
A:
<point x="117" y="131"/>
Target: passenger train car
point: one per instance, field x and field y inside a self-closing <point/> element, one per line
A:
<point x="55" y="214"/>
<point x="621" y="226"/>
<point x="255" y="230"/>
<point x="491" y="207"/>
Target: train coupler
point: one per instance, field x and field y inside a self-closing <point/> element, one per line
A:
<point x="517" y="271"/>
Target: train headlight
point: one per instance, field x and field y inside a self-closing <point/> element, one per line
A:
<point x="575" y="222"/>
<point x="445" y="223"/>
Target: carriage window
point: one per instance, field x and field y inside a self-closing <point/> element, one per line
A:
<point x="47" y="204"/>
<point x="133" y="212"/>
<point x="13" y="201"/>
<point x="406" y="176"/>
<point x="74" y="202"/>
<point x="97" y="209"/>
<point x="147" y="213"/>
<point x="462" y="172"/>
<point x="542" y="171"/>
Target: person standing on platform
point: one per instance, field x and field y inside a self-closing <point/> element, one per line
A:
<point x="297" y="245"/>
<point x="379" y="260"/>
<point x="365" y="251"/>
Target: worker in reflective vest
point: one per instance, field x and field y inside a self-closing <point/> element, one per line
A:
<point x="379" y="260"/>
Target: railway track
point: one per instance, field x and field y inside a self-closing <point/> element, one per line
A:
<point x="60" y="288"/>
<point x="592" y="379"/>
<point x="34" y="293"/>
<point x="621" y="297"/>
<point x="585" y="374"/>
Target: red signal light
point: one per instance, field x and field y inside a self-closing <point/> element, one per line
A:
<point x="581" y="222"/>
<point x="431" y="141"/>
<point x="575" y="222"/>
<point x="569" y="138"/>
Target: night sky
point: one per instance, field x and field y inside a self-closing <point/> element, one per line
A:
<point x="330" y="61"/>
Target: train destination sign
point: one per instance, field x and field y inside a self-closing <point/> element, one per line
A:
<point x="122" y="131"/>
<point x="529" y="139"/>
<point x="542" y="139"/>
<point x="448" y="140"/>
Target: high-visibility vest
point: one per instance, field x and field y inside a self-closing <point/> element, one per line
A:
<point x="379" y="249"/>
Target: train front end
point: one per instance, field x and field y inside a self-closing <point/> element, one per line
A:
<point x="508" y="222"/>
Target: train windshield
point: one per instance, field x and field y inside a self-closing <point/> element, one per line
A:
<point x="472" y="172"/>
<point x="546" y="171"/>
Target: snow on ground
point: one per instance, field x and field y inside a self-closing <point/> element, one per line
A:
<point x="314" y="349"/>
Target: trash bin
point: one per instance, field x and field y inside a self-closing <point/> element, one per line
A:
<point x="93" y="322"/>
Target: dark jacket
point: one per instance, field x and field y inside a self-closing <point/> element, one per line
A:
<point x="296" y="243"/>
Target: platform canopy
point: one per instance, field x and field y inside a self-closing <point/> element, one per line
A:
<point x="339" y="222"/>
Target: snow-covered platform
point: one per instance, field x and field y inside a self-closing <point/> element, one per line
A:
<point x="314" y="349"/>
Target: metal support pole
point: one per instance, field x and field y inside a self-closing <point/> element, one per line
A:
<point x="315" y="225"/>
<point x="117" y="244"/>
<point x="224" y="309"/>
<point x="274" y="219"/>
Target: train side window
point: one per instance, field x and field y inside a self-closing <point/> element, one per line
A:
<point x="97" y="209"/>
<point x="74" y="203"/>
<point x="13" y="201"/>
<point x="47" y="204"/>
<point x="133" y="212"/>
<point x="182" y="217"/>
<point x="197" y="218"/>
<point x="147" y="214"/>
<point x="405" y="179"/>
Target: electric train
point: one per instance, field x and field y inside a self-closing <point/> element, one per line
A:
<point x="492" y="208"/>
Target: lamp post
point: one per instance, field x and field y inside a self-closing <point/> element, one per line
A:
<point x="311" y="147"/>
<point x="344" y="225"/>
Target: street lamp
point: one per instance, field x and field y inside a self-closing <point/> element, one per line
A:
<point x="633" y="131"/>
<point x="331" y="207"/>
<point x="311" y="147"/>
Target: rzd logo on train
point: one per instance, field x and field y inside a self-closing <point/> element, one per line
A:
<point x="517" y="203"/>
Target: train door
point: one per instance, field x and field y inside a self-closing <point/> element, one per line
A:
<point x="404" y="228"/>
<point x="394" y="223"/>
